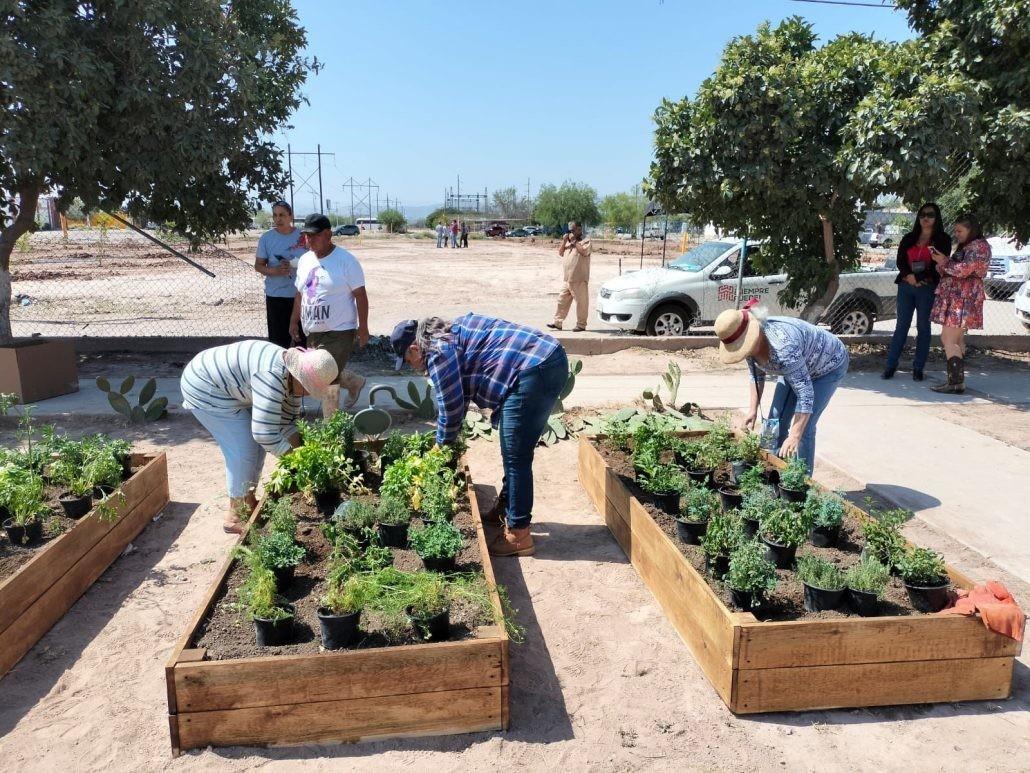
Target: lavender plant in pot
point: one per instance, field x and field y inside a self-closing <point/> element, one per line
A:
<point x="926" y="579"/>
<point x="750" y="576"/>
<point x="823" y="581"/>
<point x="693" y="521"/>
<point x="782" y="530"/>
<point x="865" y="583"/>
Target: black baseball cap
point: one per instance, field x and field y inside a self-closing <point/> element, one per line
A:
<point x="401" y="338"/>
<point x="315" y="224"/>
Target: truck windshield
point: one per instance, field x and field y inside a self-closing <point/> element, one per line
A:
<point x="700" y="256"/>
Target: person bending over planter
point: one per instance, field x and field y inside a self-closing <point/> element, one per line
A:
<point x="516" y="371"/>
<point x="247" y="395"/>
<point x="809" y="361"/>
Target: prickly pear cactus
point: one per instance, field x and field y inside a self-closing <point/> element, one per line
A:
<point x="422" y="405"/>
<point x="147" y="407"/>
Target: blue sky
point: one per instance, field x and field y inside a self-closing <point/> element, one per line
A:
<point x="415" y="93"/>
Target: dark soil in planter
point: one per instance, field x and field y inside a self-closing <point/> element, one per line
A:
<point x="75" y="506"/>
<point x="12" y="557"/>
<point x="224" y="637"/>
<point x="787" y="601"/>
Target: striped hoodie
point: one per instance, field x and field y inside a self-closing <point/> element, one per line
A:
<point x="227" y="380"/>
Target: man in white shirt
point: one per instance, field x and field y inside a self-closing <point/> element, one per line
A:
<point x="331" y="305"/>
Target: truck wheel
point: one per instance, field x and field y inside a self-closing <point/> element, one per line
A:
<point x="670" y="319"/>
<point x="856" y="320"/>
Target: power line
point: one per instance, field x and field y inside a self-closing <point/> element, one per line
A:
<point x="848" y="2"/>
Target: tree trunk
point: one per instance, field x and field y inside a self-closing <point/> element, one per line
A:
<point x="816" y="307"/>
<point x="28" y="197"/>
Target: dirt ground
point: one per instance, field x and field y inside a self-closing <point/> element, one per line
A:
<point x="602" y="682"/>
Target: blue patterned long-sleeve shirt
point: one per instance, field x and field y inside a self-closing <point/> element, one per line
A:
<point x="479" y="364"/>
<point x="799" y="352"/>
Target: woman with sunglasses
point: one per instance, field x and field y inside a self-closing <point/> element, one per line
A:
<point x="917" y="282"/>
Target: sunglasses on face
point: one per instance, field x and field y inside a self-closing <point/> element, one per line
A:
<point x="927" y="215"/>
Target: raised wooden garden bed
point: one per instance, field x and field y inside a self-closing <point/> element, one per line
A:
<point x="339" y="696"/>
<point x="43" y="589"/>
<point x="798" y="665"/>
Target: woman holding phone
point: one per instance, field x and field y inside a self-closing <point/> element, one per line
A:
<point x="917" y="282"/>
<point x="278" y="251"/>
<point x="959" y="305"/>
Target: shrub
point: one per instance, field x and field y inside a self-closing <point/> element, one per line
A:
<point x="702" y="505"/>
<point x="256" y="596"/>
<point x="869" y="576"/>
<point x="426" y="594"/>
<point x="783" y="526"/>
<point x="664" y="479"/>
<point x="748" y="449"/>
<point x="795" y="475"/>
<point x="819" y="573"/>
<point x="883" y="538"/>
<point x="823" y="510"/>
<point x="757" y="503"/>
<point x="724" y="534"/>
<point x="436" y="540"/>
<point x="616" y="433"/>
<point x="921" y="566"/>
<point x="718" y="445"/>
<point x="21" y="494"/>
<point x="438" y="498"/>
<point x="278" y="550"/>
<point x="280" y="517"/>
<point x="750" y="570"/>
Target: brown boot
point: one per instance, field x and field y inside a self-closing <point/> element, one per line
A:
<point x="512" y="542"/>
<point x="495" y="515"/>
<point x="956" y="383"/>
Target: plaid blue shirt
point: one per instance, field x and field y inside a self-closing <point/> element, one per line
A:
<point x="480" y="364"/>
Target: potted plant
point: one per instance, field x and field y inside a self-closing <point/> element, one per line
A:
<point x="357" y="517"/>
<point x="437" y="497"/>
<point x="393" y="517"/>
<point x="750" y="576"/>
<point x="666" y="484"/>
<point x="926" y="579"/>
<point x="279" y="551"/>
<point x="437" y="544"/>
<point x="825" y="514"/>
<point x="782" y="530"/>
<point x="340" y="610"/>
<point x="747" y="453"/>
<point x="692" y="523"/>
<point x="428" y="605"/>
<point x="823" y="581"/>
<point x="751" y="480"/>
<point x="721" y="537"/>
<point x="883" y="540"/>
<point x="273" y="620"/>
<point x="77" y="500"/>
<point x="754" y="506"/>
<point x="21" y="497"/>
<point x="392" y="450"/>
<point x="793" y="484"/>
<point x="866" y="582"/>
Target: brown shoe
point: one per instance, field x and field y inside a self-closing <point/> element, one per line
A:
<point x="553" y="326"/>
<point x="512" y="542"/>
<point x="495" y="515"/>
<point x="579" y="329"/>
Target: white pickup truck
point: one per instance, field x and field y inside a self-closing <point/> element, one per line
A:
<point x="691" y="290"/>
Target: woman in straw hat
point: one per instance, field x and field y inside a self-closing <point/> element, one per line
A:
<point x="809" y="361"/>
<point x="247" y="395"/>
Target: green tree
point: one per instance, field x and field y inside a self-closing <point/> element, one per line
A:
<point x="441" y="215"/>
<point x="623" y="210"/>
<point x="508" y="204"/>
<point x="556" y="206"/>
<point x="786" y="140"/>
<point x="393" y="220"/>
<point x="161" y="108"/>
<point x="988" y="43"/>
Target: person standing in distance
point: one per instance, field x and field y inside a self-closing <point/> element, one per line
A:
<point x="278" y="251"/>
<point x="575" y="250"/>
<point x="464" y="234"/>
<point x="440" y="238"/>
<point x="331" y="305"/>
<point x="454" y="233"/>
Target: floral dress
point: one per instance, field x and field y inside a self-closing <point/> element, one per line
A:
<point x="960" y="295"/>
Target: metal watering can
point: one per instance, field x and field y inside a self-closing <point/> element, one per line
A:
<point x="372" y="422"/>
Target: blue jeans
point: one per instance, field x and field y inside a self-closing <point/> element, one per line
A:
<point x="243" y="456"/>
<point x="785" y="401"/>
<point x="918" y="300"/>
<point x="524" y="414"/>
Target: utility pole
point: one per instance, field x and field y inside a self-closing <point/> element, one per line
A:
<point x="305" y="183"/>
<point x="321" y="207"/>
<point x="289" y="165"/>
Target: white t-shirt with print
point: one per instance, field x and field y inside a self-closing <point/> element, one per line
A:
<point x="326" y="290"/>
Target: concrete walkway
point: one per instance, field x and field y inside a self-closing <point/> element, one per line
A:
<point x="966" y="484"/>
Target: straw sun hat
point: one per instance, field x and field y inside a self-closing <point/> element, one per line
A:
<point x="738" y="331"/>
<point x="315" y="369"/>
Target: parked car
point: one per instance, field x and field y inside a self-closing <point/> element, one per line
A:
<point x="1008" y="268"/>
<point x="519" y="232"/>
<point x="692" y="289"/>
<point x="1022" y="304"/>
<point x="496" y="229"/>
<point x="346" y="230"/>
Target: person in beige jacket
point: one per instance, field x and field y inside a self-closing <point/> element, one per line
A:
<point x="575" y="251"/>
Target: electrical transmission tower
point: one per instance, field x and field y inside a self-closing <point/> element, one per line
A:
<point x="306" y="183"/>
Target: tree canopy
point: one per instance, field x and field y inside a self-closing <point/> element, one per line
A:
<point x="162" y="108"/>
<point x="556" y="206"/>
<point x="393" y="220"/>
<point x="787" y="140"/>
<point x="623" y="210"/>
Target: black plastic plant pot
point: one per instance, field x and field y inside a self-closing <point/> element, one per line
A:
<point x="771" y="476"/>
<point x="750" y="526"/>
<point x="438" y="564"/>
<point x="283" y="575"/>
<point x="76" y="506"/>
<point x="394" y="535"/>
<point x="718" y="565"/>
<point x="126" y="466"/>
<point x="29" y="534"/>
<point x="730" y="498"/>
<point x="274" y="633"/>
<point x="432" y="627"/>
<point x="863" y="603"/>
<point x="703" y="477"/>
<point x="929" y="598"/>
<point x="103" y="490"/>
<point x="781" y="555"/>
<point x="338" y="631"/>
<point x="821" y="599"/>
<point x="825" y="536"/>
<point x="791" y="494"/>
<point x="668" y="503"/>
<point x="691" y="532"/>
<point x="745" y="599"/>
<point x="326" y="501"/>
<point x="737" y="469"/>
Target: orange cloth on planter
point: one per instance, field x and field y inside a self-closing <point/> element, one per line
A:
<point x="996" y="606"/>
